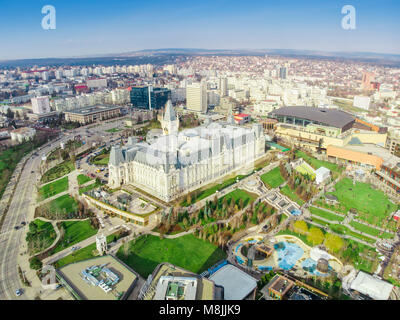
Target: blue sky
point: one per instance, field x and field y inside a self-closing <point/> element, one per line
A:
<point x="89" y="27"/>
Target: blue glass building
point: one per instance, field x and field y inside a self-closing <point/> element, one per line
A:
<point x="149" y="98"/>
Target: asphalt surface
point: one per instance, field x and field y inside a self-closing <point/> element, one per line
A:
<point x="10" y="239"/>
<point x="23" y="203"/>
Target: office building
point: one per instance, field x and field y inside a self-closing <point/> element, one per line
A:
<point x="196" y="97"/>
<point x="148" y="97"/>
<point x="90" y="114"/>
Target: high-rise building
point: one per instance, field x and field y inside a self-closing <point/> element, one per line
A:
<point x="196" y="97"/>
<point x="223" y="86"/>
<point x="367" y="78"/>
<point x="149" y="98"/>
<point x="282" y="72"/>
<point x="40" y="105"/>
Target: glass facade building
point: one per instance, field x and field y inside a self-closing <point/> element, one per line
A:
<point x="149" y="98"/>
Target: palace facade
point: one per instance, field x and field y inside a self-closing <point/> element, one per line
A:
<point x="179" y="162"/>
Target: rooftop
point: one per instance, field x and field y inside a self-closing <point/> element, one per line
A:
<point x="280" y="284"/>
<point x="237" y="284"/>
<point x="330" y="117"/>
<point x="375" y="288"/>
<point x="93" y="109"/>
<point x="71" y="274"/>
<point x="204" y="288"/>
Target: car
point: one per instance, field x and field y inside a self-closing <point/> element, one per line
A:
<point x="32" y="171"/>
<point x="16" y="227"/>
<point x="18" y="292"/>
<point x="23" y="223"/>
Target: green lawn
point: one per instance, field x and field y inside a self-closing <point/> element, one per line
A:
<point x="338" y="228"/>
<point x="291" y="195"/>
<point x="364" y="199"/>
<point x="325" y="214"/>
<point x="209" y="191"/>
<point x="273" y="178"/>
<point x="238" y="194"/>
<point x="369" y="230"/>
<point x="91" y="186"/>
<point x="113" y="130"/>
<point x="40" y="236"/>
<point x="75" y="231"/>
<point x="101" y="159"/>
<point x="63" y="204"/>
<point x="81" y="254"/>
<point x="53" y="188"/>
<point x="82" y="179"/>
<point x="341" y="229"/>
<point x="188" y="252"/>
<point x="58" y="171"/>
<point x="315" y="163"/>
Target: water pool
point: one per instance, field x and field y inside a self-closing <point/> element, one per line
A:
<point x="296" y="212"/>
<point x="264" y="268"/>
<point x="288" y="254"/>
<point x="310" y="266"/>
<point x="239" y="260"/>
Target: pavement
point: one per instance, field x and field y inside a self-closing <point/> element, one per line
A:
<point x="13" y="249"/>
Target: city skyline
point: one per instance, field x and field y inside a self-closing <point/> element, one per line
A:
<point x="125" y="26"/>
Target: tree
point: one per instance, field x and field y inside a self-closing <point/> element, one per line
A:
<point x="35" y="263"/>
<point x="333" y="242"/>
<point x="300" y="226"/>
<point x="315" y="236"/>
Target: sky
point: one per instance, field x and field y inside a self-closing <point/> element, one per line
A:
<point x="95" y="27"/>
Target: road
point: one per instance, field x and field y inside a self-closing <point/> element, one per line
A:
<point x="10" y="239"/>
<point x="22" y="209"/>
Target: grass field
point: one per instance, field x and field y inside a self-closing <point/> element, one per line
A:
<point x="315" y="163"/>
<point x="81" y="254"/>
<point x="101" y="159"/>
<point x="91" y="186"/>
<point x="340" y="229"/>
<point x="364" y="199"/>
<point x="113" y="130"/>
<point x="273" y="178"/>
<point x="53" y="188"/>
<point x="63" y="204"/>
<point x="82" y="179"/>
<point x="343" y="230"/>
<point x="372" y="231"/>
<point x="291" y="195"/>
<point x="75" y="231"/>
<point x="325" y="214"/>
<point x="40" y="237"/>
<point x="58" y="171"/>
<point x="306" y="169"/>
<point x="238" y="194"/>
<point x="209" y="191"/>
<point x="188" y="252"/>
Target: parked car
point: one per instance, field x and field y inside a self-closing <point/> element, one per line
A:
<point x="18" y="292"/>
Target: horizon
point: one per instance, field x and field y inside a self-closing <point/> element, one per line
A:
<point x="125" y="26"/>
<point x="296" y="52"/>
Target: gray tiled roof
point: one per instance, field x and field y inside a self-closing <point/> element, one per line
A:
<point x="330" y="117"/>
